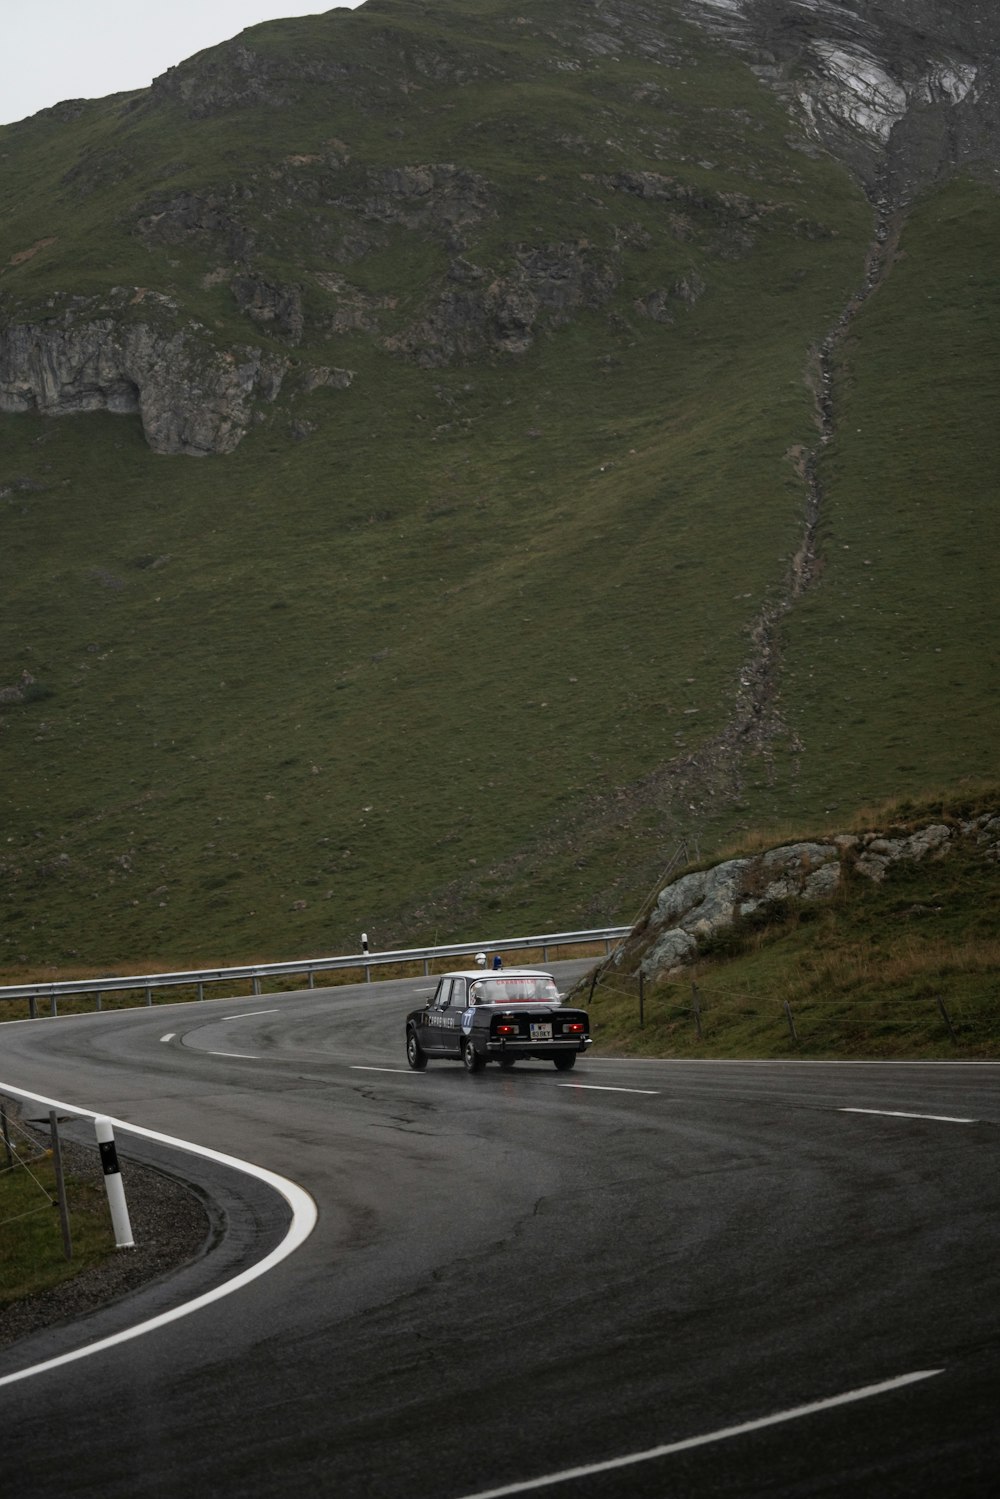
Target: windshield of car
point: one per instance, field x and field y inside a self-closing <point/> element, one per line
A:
<point x="513" y="988"/>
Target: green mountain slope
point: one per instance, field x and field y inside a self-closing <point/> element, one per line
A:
<point x="499" y="337"/>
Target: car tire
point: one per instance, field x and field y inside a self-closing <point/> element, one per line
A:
<point x="564" y="1061"/>
<point x="470" y="1056"/>
<point x="415" y="1054"/>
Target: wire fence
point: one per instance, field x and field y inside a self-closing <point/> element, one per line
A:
<point x="22" y="1149"/>
<point x="933" y="1016"/>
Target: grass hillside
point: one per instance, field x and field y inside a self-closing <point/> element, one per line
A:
<point x="438" y="655"/>
<point x="906" y="968"/>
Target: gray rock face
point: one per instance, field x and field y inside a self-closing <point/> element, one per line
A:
<point x="902" y="90"/>
<point x="191" y="396"/>
<point x="708" y="900"/>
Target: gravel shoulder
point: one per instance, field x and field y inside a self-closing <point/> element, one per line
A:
<point x="171" y="1223"/>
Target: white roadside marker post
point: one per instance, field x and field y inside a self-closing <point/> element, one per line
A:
<point x="113" y="1185"/>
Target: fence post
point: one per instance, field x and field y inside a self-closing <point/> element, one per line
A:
<point x="6" y="1134"/>
<point x="113" y="1185"/>
<point x="60" y="1184"/>
<point x="946" y="1018"/>
<point x="642" y="999"/>
<point x="791" y="1021"/>
<point x="696" y="1007"/>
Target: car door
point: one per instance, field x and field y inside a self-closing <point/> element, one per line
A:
<point x="434" y="1028"/>
<point x="452" y="1044"/>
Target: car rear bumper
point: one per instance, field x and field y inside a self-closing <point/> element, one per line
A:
<point x="527" y="1047"/>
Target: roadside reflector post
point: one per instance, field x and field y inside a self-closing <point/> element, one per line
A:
<point x="113" y="1185"/>
<point x="364" y="949"/>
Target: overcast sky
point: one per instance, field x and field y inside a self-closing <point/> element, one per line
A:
<point x="85" y="49"/>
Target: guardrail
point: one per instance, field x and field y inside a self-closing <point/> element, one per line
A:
<point x="309" y="967"/>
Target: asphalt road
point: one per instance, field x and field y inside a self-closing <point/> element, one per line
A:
<point x="661" y="1274"/>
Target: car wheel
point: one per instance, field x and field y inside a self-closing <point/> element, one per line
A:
<point x="415" y="1054"/>
<point x="564" y="1061"/>
<point x="470" y="1056"/>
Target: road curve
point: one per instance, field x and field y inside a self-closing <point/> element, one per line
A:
<point x="643" y="1278"/>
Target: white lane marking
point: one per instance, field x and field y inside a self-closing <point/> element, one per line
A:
<point x="898" y="1114"/>
<point x="248" y="1014"/>
<point x="761" y="1061"/>
<point x="169" y="1036"/>
<point x="356" y="1067"/>
<point x="304" y="1215"/>
<point x="722" y="1435"/>
<point x="598" y="1088"/>
<point x="242" y="1056"/>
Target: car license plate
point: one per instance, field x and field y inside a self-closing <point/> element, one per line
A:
<point x="541" y="1031"/>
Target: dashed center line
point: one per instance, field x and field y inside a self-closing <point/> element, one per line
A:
<point x="240" y="1055"/>
<point x="898" y="1114"/>
<point x="248" y="1015"/>
<point x="725" y="1433"/>
<point x="598" y="1088"/>
<point x="408" y="1071"/>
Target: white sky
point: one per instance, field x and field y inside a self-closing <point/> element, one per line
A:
<point x="86" y="49"/>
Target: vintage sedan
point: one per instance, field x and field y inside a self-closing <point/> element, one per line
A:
<point x="501" y="1016"/>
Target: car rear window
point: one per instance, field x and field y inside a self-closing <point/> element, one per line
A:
<point x="503" y="989"/>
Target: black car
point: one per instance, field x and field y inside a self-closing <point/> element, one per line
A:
<point x="501" y="1016"/>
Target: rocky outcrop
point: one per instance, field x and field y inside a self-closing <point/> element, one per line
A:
<point x="700" y="905"/>
<point x="129" y="355"/>
<point x="277" y="308"/>
<point x="900" y="90"/>
<point x="501" y="314"/>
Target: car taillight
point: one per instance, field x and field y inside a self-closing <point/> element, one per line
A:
<point x="506" y="1030"/>
<point x="575" y="1026"/>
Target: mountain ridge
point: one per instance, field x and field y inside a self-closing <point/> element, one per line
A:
<point x="538" y="391"/>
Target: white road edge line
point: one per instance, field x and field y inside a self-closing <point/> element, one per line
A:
<point x="599" y="1088"/>
<point x="407" y="1071"/>
<point x="722" y="1435"/>
<point x="897" y="1114"/>
<point x="304" y="1215"/>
